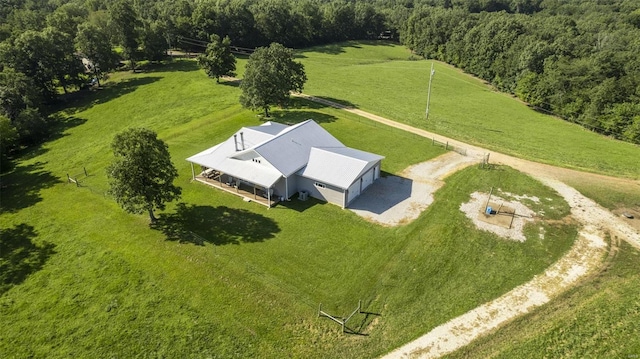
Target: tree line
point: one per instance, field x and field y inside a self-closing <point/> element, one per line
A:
<point x="577" y="59"/>
<point x="43" y="43"/>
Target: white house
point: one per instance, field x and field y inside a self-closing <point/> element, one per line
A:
<point x="273" y="162"/>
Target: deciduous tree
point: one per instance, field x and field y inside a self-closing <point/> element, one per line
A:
<point x="270" y="75"/>
<point x="141" y="177"/>
<point x="124" y="24"/>
<point x="218" y="60"/>
<point x="93" y="43"/>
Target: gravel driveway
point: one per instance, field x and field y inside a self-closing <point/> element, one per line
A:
<point x="397" y="200"/>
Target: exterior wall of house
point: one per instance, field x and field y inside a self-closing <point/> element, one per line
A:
<point x="293" y="185"/>
<point x="279" y="188"/>
<point x="321" y="191"/>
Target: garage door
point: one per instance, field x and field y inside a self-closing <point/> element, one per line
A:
<point x="367" y="178"/>
<point x="354" y="191"/>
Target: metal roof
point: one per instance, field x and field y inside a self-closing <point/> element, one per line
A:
<point x="289" y="150"/>
<point x="285" y="150"/>
<point x="221" y="156"/>
<point x="338" y="166"/>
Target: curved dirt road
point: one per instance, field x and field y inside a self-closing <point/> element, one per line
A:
<point x="583" y="259"/>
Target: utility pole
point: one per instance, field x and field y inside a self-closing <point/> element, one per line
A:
<point x="429" y="93"/>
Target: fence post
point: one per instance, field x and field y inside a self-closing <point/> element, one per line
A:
<point x="446" y="146"/>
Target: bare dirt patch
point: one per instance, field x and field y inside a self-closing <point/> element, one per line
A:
<point x="397" y="200"/>
<point x="509" y="220"/>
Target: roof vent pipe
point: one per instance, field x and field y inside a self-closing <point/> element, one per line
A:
<point x="242" y="140"/>
<point x="235" y="142"/>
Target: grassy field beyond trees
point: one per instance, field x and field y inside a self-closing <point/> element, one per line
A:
<point x="242" y="280"/>
<point x="387" y="80"/>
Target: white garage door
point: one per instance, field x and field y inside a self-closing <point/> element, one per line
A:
<point x="354" y="191"/>
<point x="367" y="178"/>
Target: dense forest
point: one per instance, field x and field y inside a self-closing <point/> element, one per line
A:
<point x="577" y="59"/>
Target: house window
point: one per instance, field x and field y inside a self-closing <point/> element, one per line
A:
<point x="320" y="185"/>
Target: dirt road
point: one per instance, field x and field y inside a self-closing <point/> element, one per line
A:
<point x="583" y="259"/>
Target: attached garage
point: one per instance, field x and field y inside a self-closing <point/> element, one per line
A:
<point x="342" y="170"/>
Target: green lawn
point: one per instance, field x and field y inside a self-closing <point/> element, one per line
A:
<point x="387" y="80"/>
<point x="598" y="319"/>
<point x="219" y="277"/>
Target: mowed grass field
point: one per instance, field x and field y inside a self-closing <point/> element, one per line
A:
<point x="385" y="79"/>
<point x="598" y="319"/>
<point x="81" y="278"/>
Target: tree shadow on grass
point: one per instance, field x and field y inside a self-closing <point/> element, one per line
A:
<point x="84" y="100"/>
<point x="332" y="49"/>
<point x="19" y="256"/>
<point x="342" y="103"/>
<point x="21" y="187"/>
<point x="170" y="66"/>
<point x="56" y="127"/>
<point x="215" y="225"/>
<point x="296" y="116"/>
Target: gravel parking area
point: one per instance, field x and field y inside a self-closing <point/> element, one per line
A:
<point x="398" y="200"/>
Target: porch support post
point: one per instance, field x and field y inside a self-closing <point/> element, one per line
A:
<point x="254" y="192"/>
<point x="193" y="172"/>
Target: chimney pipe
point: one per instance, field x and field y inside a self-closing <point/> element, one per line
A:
<point x="235" y="141"/>
<point x="242" y="140"/>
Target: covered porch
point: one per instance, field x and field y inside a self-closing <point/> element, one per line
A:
<point x="242" y="188"/>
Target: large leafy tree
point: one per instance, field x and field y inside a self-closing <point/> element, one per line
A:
<point x="47" y="57"/>
<point x="17" y="93"/>
<point x="124" y="23"/>
<point x="93" y="43"/>
<point x="270" y="75"/>
<point x="19" y="103"/>
<point x="8" y="139"/>
<point x="218" y="60"/>
<point x="67" y="17"/>
<point x="154" y="42"/>
<point x="141" y="177"/>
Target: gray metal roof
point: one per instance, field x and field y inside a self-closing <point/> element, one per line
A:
<point x="285" y="150"/>
<point x="289" y="150"/>
<point x="338" y="166"/>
